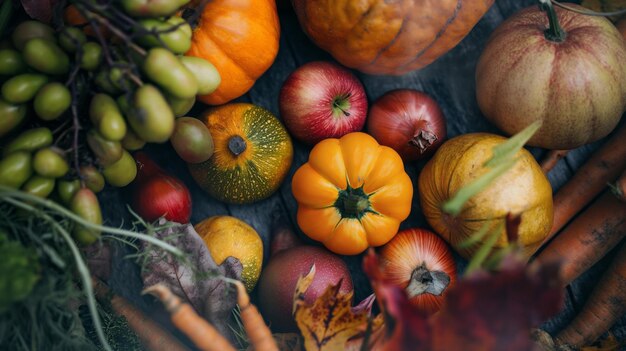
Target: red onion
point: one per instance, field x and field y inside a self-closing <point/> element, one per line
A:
<point x="408" y="121"/>
<point x="157" y="194"/>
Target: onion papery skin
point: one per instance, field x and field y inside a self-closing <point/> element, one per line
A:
<point x="404" y="118"/>
<point x="410" y="249"/>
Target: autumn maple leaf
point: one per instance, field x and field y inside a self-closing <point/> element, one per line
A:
<point x="330" y="322"/>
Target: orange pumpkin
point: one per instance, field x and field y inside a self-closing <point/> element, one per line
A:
<point x="352" y="193"/>
<point x="388" y="37"/>
<point x="240" y="38"/>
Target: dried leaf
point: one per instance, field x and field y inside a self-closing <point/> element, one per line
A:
<point x="196" y="277"/>
<point x="328" y="323"/>
<point x="301" y="287"/>
<point x="39" y="9"/>
<point x="496" y="311"/>
<point x="609" y="344"/>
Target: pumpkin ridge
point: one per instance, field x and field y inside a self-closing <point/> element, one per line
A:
<point x="456" y="165"/>
<point x="600" y="62"/>
<point x="218" y="48"/>
<point x="439" y="34"/>
<point x="391" y="42"/>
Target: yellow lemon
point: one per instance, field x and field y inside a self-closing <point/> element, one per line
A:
<point x="228" y="236"/>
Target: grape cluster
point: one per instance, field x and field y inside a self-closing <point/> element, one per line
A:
<point x="77" y="100"/>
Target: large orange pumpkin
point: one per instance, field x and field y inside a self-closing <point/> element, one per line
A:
<point x="388" y="37"/>
<point x="352" y="194"/>
<point x="240" y="38"/>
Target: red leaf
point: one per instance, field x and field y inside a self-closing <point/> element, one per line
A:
<point x="39" y="9"/>
<point x="496" y="311"/>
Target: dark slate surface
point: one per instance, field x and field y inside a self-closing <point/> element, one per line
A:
<point x="450" y="81"/>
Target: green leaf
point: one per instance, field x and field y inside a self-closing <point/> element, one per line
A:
<point x="509" y="148"/>
<point x="475" y="238"/>
<point x="483" y="252"/>
<point x="454" y="206"/>
<point x="502" y="160"/>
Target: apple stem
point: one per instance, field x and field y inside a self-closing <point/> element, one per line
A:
<point x="554" y="33"/>
<point x="340" y="103"/>
<point x="236" y="145"/>
<point x="424" y="281"/>
<point x="423" y="139"/>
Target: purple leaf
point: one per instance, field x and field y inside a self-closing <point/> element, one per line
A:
<point x="39" y="9"/>
<point x="196" y="277"/>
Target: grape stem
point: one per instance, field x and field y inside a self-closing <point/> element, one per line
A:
<point x="76" y="128"/>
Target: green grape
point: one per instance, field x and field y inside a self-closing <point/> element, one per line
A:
<point x="151" y="118"/>
<point x="39" y="186"/>
<point x="49" y="163"/>
<point x="46" y="57"/>
<point x="15" y="169"/>
<point x="23" y="87"/>
<point x="206" y="74"/>
<point x="192" y="140"/>
<point x="106" y="151"/>
<point x="28" y="30"/>
<point x="30" y="140"/>
<point x="85" y="204"/>
<point x="122" y="172"/>
<point x="164" y="68"/>
<point x="52" y="100"/>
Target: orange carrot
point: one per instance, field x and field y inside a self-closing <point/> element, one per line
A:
<point x="258" y="332"/>
<point x="185" y="318"/>
<point x="619" y="188"/>
<point x="604" y="166"/>
<point x="152" y="335"/>
<point x="588" y="238"/>
<point x="605" y="305"/>
<point x="551" y="159"/>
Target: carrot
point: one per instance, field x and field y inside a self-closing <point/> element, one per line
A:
<point x="185" y="318"/>
<point x="588" y="238"/>
<point x="605" y="305"/>
<point x="259" y="333"/>
<point x="604" y="166"/>
<point x="619" y="188"/>
<point x="551" y="159"/>
<point x="152" y="335"/>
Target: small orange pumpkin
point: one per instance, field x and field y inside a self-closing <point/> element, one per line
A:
<point x="388" y="37"/>
<point x="240" y="38"/>
<point x="352" y="193"/>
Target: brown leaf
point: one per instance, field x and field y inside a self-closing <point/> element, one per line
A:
<point x="329" y="322"/>
<point x="196" y="277"/>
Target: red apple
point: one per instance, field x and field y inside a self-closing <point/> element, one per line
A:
<point x="278" y="282"/>
<point x="322" y="100"/>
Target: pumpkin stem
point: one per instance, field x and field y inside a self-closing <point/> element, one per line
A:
<point x="554" y="32"/>
<point x="422" y="140"/>
<point x="236" y="145"/>
<point x="352" y="203"/>
<point x="424" y="281"/>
